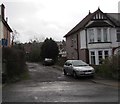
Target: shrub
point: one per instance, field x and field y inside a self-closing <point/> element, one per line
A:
<point x="34" y="55"/>
<point x="110" y="67"/>
<point x="13" y="62"/>
<point x="61" y="61"/>
<point x="49" y="49"/>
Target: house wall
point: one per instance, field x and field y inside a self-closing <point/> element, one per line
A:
<point x="0" y="9"/>
<point x="83" y="55"/>
<point x="77" y="50"/>
<point x="82" y="39"/>
<point x="1" y="30"/>
<point x="71" y="46"/>
<point x="4" y="33"/>
<point x="83" y="52"/>
<point x="113" y="34"/>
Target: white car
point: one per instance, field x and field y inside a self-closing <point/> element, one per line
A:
<point x="78" y="68"/>
<point x="48" y="61"/>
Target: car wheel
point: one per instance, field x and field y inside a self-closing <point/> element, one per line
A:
<point x="74" y="74"/>
<point x="65" y="73"/>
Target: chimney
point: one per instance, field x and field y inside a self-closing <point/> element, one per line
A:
<point x="2" y="11"/>
<point x="89" y="12"/>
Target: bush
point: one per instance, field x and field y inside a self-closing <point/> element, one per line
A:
<point x="34" y="55"/>
<point x="110" y="68"/>
<point x="49" y="49"/>
<point x="13" y="63"/>
<point x="34" y="52"/>
<point x="61" y="61"/>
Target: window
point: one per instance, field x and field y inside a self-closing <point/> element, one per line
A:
<point x="97" y="56"/>
<point x="118" y="35"/>
<point x="92" y="57"/>
<point x="91" y="35"/>
<point x="105" y="35"/>
<point x="100" y="56"/>
<point x="99" y="35"/>
<point x="106" y="54"/>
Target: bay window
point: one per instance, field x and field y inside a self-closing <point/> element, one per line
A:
<point x="106" y="54"/>
<point x="97" y="56"/>
<point x="118" y="35"/>
<point x="92" y="57"/>
<point x="99" y="35"/>
<point x="100" y="56"/>
<point x="91" y="35"/>
<point x="105" y="35"/>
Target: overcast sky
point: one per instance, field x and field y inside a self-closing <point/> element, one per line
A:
<point x="51" y="18"/>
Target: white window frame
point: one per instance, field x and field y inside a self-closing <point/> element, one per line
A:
<point x="99" y="35"/>
<point x="91" y="35"/>
<point x="96" y="54"/>
<point x="105" y="34"/>
<point x="118" y="33"/>
<point x="92" y="56"/>
<point x="102" y="34"/>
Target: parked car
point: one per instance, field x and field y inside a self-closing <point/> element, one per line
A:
<point x="78" y="68"/>
<point x="48" y="61"/>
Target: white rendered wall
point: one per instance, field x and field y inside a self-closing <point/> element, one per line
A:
<point x="82" y="39"/>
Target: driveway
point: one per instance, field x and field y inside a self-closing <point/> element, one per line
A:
<point x="48" y="84"/>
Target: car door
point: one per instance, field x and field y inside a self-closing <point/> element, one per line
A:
<point x="69" y="68"/>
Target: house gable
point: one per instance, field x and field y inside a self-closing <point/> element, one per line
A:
<point x="99" y="15"/>
<point x="99" y="19"/>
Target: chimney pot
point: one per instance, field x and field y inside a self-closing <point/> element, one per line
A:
<point x="2" y="11"/>
<point x="89" y="12"/>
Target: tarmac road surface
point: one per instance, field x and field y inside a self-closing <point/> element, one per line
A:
<point x="48" y="84"/>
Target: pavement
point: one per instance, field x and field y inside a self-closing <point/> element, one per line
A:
<point x="99" y="80"/>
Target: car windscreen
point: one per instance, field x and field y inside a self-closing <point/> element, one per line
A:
<point x="79" y="63"/>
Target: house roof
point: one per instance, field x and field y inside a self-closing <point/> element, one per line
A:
<point x="115" y="17"/>
<point x="99" y="24"/>
<point x="6" y="24"/>
<point x="112" y="17"/>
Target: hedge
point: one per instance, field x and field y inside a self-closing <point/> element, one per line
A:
<point x="13" y="63"/>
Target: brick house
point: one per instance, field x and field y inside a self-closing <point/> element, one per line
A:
<point x="94" y="38"/>
<point x="5" y="29"/>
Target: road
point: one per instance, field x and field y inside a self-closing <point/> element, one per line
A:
<point x="48" y="84"/>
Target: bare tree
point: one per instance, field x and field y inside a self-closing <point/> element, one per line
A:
<point x="14" y="36"/>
